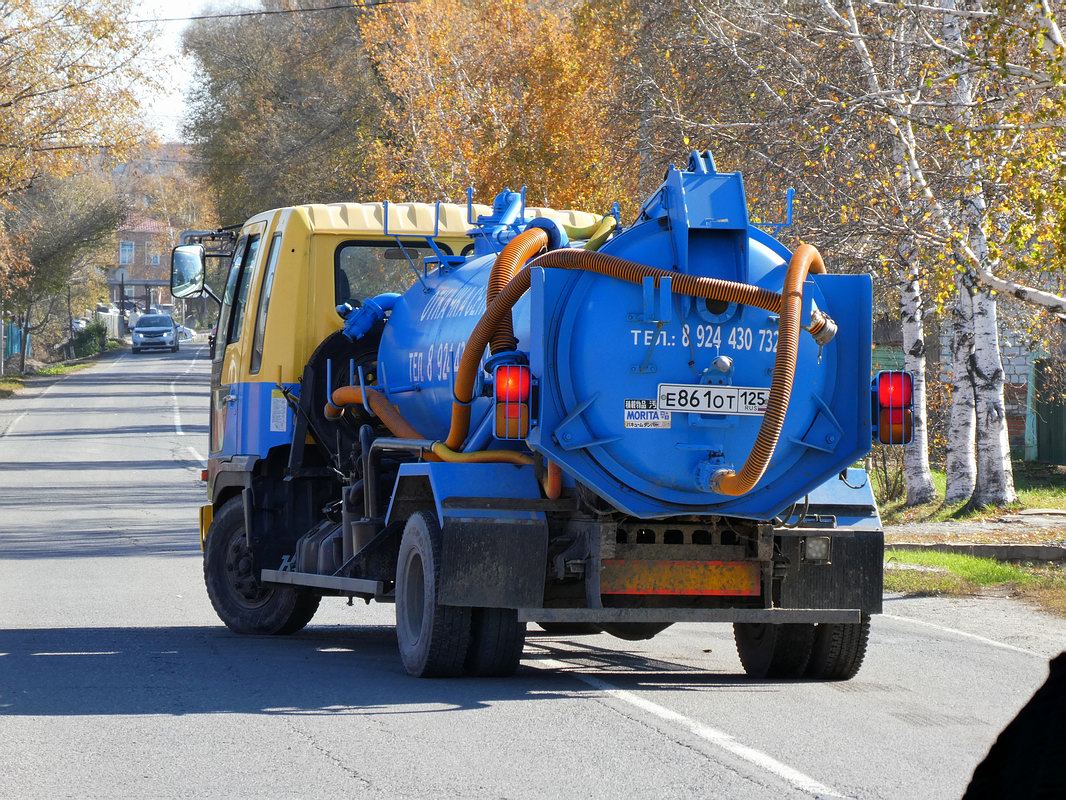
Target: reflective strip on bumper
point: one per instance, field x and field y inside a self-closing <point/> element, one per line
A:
<point x="207" y="514"/>
<point x="706" y="578"/>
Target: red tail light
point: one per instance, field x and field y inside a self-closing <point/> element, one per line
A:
<point x="895" y="389"/>
<point x="512" y="387"/>
<point x="512" y="384"/>
<point x="893" y="398"/>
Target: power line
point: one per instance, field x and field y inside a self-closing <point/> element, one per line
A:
<point x="368" y="4"/>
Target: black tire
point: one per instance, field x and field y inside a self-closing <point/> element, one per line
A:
<point x="635" y="631"/>
<point x="174" y="349"/>
<point x="245" y="605"/>
<point x="496" y="641"/>
<point x="774" y="651"/>
<point x="838" y="650"/>
<point x="570" y="628"/>
<point x="433" y="639"/>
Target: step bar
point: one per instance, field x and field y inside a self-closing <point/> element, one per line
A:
<point x="315" y="581"/>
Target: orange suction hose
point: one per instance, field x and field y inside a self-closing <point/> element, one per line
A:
<point x="401" y="428"/>
<point x="805" y="260"/>
<point x="552" y="482"/>
<point x="514" y="256"/>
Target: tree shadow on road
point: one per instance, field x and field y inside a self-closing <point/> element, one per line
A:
<point x="350" y="670"/>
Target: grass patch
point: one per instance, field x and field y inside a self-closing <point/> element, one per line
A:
<point x="1038" y="486"/>
<point x="959" y="575"/>
<point x="10" y="384"/>
<point x="53" y="370"/>
<point x="979" y="571"/>
<point x="926" y="583"/>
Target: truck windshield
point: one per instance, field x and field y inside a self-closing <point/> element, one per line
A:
<point x="154" y="321"/>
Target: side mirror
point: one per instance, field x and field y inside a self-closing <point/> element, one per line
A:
<point x="187" y="270"/>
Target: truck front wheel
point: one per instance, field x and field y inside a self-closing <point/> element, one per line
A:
<point x="239" y="599"/>
<point x="774" y="651"/>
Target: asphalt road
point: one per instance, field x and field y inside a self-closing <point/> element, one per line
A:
<point x="117" y="680"/>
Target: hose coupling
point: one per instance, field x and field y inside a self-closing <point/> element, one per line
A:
<point x="822" y="328"/>
<point x="715" y="482"/>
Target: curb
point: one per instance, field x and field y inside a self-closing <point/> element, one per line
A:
<point x="1000" y="552"/>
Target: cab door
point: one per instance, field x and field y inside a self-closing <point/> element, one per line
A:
<point x="228" y="378"/>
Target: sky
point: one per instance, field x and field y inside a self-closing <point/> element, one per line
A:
<point x="166" y="109"/>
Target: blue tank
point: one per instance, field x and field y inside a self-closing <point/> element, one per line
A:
<point x="614" y="363"/>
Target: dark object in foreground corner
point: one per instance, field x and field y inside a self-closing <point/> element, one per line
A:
<point x="1028" y="760"/>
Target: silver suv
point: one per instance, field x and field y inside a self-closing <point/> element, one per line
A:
<point x="155" y="331"/>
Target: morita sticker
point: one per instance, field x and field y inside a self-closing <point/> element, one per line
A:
<point x="279" y="412"/>
<point x="645" y="414"/>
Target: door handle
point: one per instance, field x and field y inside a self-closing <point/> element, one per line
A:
<point x="230" y="398"/>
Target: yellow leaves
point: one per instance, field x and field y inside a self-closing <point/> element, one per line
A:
<point x="533" y="108"/>
<point x="65" y="85"/>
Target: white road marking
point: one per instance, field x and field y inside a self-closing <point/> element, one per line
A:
<point x="85" y="653"/>
<point x="174" y="397"/>
<point x="196" y="455"/>
<point x="14" y="422"/>
<point x="956" y="632"/>
<point x="716" y="737"/>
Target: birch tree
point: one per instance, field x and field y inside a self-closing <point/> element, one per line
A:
<point x="942" y="102"/>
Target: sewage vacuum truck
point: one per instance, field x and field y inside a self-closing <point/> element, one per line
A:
<point x="495" y="416"/>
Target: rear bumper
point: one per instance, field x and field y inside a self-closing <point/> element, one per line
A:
<point x="609" y="615"/>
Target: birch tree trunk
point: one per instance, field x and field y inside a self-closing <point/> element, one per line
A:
<point x="995" y="477"/>
<point x="994" y="484"/>
<point x="961" y="460"/>
<point x="920" y="488"/>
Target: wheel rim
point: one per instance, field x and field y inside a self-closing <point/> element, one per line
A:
<point x="240" y="576"/>
<point x="414" y="596"/>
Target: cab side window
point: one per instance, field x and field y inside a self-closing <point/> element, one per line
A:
<point x="244" y="280"/>
<point x="228" y="294"/>
<point x="264" y="304"/>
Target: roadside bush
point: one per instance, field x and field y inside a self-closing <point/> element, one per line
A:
<point x="885" y="465"/>
<point x="91" y="340"/>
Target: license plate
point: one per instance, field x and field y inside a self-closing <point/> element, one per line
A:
<point x="702" y="399"/>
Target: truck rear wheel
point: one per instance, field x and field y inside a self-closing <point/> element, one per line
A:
<point x="496" y="641"/>
<point x="433" y="639"/>
<point x="774" y="651"/>
<point x="838" y="650"/>
<point x="239" y="599"/>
